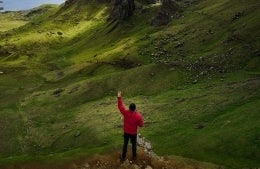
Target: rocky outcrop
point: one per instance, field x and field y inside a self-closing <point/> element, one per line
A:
<point x="169" y="10"/>
<point x="122" y="9"/>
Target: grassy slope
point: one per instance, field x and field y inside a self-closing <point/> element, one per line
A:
<point x="90" y="63"/>
<point x="11" y="20"/>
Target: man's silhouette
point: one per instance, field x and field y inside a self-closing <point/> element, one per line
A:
<point x="132" y="120"/>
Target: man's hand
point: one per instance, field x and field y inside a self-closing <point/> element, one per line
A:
<point x="119" y="94"/>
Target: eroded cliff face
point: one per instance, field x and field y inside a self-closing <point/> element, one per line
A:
<point x="122" y="9"/>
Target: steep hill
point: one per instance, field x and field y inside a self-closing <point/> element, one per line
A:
<point x="195" y="80"/>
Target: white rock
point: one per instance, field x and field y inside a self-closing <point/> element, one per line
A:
<point x="86" y="165"/>
<point x="136" y="166"/>
<point x="148" y="167"/>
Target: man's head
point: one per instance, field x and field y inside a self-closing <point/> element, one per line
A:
<point x="132" y="107"/>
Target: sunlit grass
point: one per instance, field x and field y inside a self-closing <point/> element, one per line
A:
<point x="10" y="21"/>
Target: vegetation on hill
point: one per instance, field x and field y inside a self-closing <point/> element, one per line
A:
<point x="195" y="80"/>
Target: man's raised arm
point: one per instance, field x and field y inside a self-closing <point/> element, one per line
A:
<point x="120" y="103"/>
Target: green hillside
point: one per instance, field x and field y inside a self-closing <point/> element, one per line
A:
<point x="196" y="81"/>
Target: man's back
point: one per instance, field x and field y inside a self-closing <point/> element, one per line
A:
<point x="132" y="119"/>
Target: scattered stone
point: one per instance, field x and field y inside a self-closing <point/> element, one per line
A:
<point x="86" y="165"/>
<point x="65" y="126"/>
<point x="257" y="52"/>
<point x="57" y="92"/>
<point x="195" y="81"/>
<point x="199" y="126"/>
<point x="226" y="123"/>
<point x="148" y="167"/>
<point x="136" y="166"/>
<point x="126" y="163"/>
<point x="172" y="69"/>
<point x="60" y="33"/>
<point x="237" y="16"/>
<point x="210" y="32"/>
<point x="74" y="89"/>
<point x="148" y="146"/>
<point x="179" y="45"/>
<point x="118" y="125"/>
<point x="142" y="142"/>
<point x="78" y="133"/>
<point x="147" y="36"/>
<point x="60" y="74"/>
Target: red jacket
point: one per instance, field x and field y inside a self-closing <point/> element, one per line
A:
<point x="131" y="119"/>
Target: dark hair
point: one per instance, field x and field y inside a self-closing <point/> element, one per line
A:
<point x="132" y="107"/>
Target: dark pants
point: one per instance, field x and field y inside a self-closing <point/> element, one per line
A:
<point x="132" y="138"/>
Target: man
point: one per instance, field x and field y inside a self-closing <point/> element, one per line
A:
<point x="132" y="120"/>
